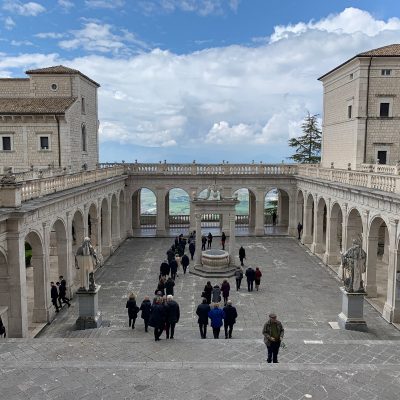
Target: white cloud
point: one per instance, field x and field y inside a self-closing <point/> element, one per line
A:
<point x="30" y="9"/>
<point x="50" y="35"/>
<point x="9" y="23"/>
<point x="96" y="37"/>
<point x="104" y="3"/>
<point x="66" y="4"/>
<point x="201" y="7"/>
<point x="21" y="43"/>
<point x="351" y="20"/>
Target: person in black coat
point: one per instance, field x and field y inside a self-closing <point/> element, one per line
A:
<point x="209" y="240"/>
<point x="185" y="262"/>
<point x="202" y="312"/>
<point x="161" y="287"/>
<point x="157" y="318"/>
<point x="173" y="265"/>
<point x="230" y="319"/>
<point x="207" y="292"/>
<point x="170" y="254"/>
<point x="172" y="316"/>
<point x="133" y="310"/>
<point x="203" y="242"/>
<point x="192" y="249"/>
<point x="242" y="255"/>
<point x="251" y="276"/>
<point x="62" y="293"/>
<point x="54" y="296"/>
<point x="164" y="269"/>
<point x="145" y="308"/>
<point x="169" y="286"/>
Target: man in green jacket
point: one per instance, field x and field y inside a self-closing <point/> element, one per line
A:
<point x="273" y="334"/>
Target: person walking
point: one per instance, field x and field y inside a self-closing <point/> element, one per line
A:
<point x="273" y="334"/>
<point x="225" y="288"/>
<point x="251" y="276"/>
<point x="207" y="292"/>
<point x="238" y="277"/>
<point x="209" y="240"/>
<point x="145" y="308"/>
<point x="192" y="249"/>
<point x="203" y="242"/>
<point x="185" y="263"/>
<point x="54" y="296"/>
<point x="173" y="265"/>
<point x="223" y="240"/>
<point x="164" y="269"/>
<point x="169" y="286"/>
<point x="133" y="309"/>
<point x="216" y="316"/>
<point x="229" y="319"/>
<point x="178" y="260"/>
<point x="202" y="311"/>
<point x="299" y="230"/>
<point x="257" y="276"/>
<point x="161" y="287"/>
<point x="216" y="294"/>
<point x="157" y="318"/>
<point x="62" y="292"/>
<point x="3" y="332"/>
<point x="242" y="255"/>
<point x="172" y="316"/>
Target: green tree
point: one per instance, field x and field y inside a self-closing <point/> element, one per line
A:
<point x="308" y="146"/>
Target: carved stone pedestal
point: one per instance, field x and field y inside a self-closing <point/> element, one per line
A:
<point x="352" y="315"/>
<point x="89" y="314"/>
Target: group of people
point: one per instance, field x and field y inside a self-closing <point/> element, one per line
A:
<point x="208" y="240"/>
<point x="58" y="294"/>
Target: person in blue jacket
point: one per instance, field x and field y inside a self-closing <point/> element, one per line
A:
<point x="216" y="316"/>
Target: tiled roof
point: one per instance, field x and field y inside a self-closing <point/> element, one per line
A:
<point x="59" y="69"/>
<point x="35" y="105"/>
<point x="392" y="50"/>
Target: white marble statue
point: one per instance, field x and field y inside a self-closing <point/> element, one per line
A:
<point x="86" y="261"/>
<point x="353" y="262"/>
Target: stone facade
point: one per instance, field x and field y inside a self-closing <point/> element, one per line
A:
<point x="351" y="133"/>
<point x="69" y="132"/>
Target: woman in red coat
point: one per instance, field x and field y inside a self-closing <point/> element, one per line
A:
<point x="258" y="278"/>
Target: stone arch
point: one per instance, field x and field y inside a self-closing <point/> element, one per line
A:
<point x="320" y="227"/>
<point x="246" y="209"/>
<point x="58" y="251"/>
<point x="114" y="221"/>
<point x="177" y="207"/>
<point x="308" y="226"/>
<point x="122" y="215"/>
<point x="105" y="228"/>
<point x="93" y="224"/>
<point x="354" y="226"/>
<point x="144" y="208"/>
<point x="77" y="235"/>
<point x="376" y="277"/>
<point x="37" y="282"/>
<point x="276" y="207"/>
<point x="334" y="235"/>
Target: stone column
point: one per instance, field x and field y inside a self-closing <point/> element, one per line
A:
<point x="71" y="270"/>
<point x="96" y="229"/>
<point x="17" y="308"/>
<point x="192" y="218"/>
<point x="259" y="226"/>
<point x="167" y="211"/>
<point x="318" y="245"/>
<point x="292" y="228"/>
<point x="116" y="232"/>
<point x="370" y="274"/>
<point x="135" y="210"/>
<point x="331" y="245"/>
<point x="252" y="210"/>
<point x="197" y="254"/>
<point x="389" y="309"/>
<point x="307" y="237"/>
<point x="106" y="230"/>
<point x="128" y="228"/>
<point x="225" y="223"/>
<point x="232" y="240"/>
<point x="345" y="221"/>
<point x="160" y="194"/>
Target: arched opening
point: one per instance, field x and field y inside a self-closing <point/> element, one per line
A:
<point x="144" y="209"/>
<point x="114" y="221"/>
<point x="58" y="252"/>
<point x="300" y="207"/>
<point x="276" y="209"/>
<point x="105" y="228"/>
<point x="354" y="227"/>
<point x="334" y="243"/>
<point x="210" y="220"/>
<point x="177" y="208"/>
<point x="36" y="284"/>
<point x="246" y="208"/>
<point x="122" y="216"/>
<point x="77" y="236"/>
<point x="93" y="225"/>
<point x="376" y="279"/>
<point x="308" y="226"/>
<point x="320" y="231"/>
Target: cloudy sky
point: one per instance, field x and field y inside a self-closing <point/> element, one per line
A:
<point x="209" y="80"/>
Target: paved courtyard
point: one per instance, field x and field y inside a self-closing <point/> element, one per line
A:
<point x="114" y="362"/>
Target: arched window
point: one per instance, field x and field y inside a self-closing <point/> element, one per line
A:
<point x="84" y="138"/>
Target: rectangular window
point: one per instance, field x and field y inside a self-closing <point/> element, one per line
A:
<point x="349" y="111"/>
<point x="382" y="155"/>
<point x="384" y="109"/>
<point x="6" y="143"/>
<point x="44" y="143"/>
<point x="351" y="76"/>
<point x="386" y="72"/>
<point x="83" y="106"/>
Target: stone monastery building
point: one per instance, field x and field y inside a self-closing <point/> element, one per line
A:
<point x="54" y="192"/>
